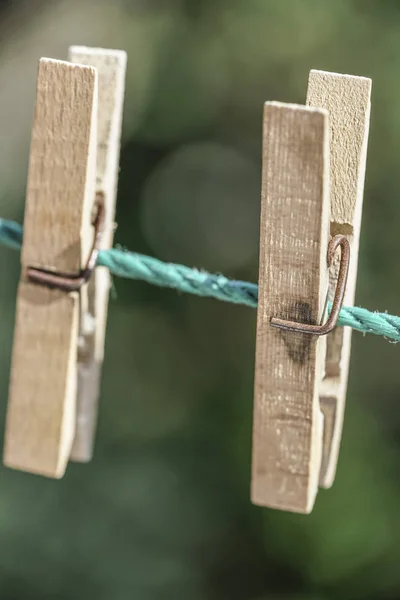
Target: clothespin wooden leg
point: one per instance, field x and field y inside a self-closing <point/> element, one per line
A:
<point x="58" y="236"/>
<point x="288" y="424"/>
<point x="347" y="100"/>
<point x="111" y="67"/>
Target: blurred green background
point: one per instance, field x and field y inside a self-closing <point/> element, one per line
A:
<point x="163" y="511"/>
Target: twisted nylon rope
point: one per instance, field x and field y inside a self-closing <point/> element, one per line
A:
<point x="137" y="266"/>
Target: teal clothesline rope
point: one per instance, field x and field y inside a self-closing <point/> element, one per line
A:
<point x="132" y="265"/>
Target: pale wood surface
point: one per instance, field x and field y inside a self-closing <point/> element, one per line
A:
<point x="347" y="100"/>
<point x="287" y="432"/>
<point x="111" y="67"/>
<point x="40" y="419"/>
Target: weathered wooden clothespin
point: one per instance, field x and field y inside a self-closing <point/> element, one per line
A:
<point x="111" y="68"/>
<point x="299" y="385"/>
<point x="348" y="101"/>
<point x="61" y="305"/>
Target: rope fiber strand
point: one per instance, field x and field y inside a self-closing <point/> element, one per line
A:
<point x="132" y="265"/>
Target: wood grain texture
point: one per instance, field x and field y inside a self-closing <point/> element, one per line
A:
<point x="287" y="431"/>
<point x="347" y="100"/>
<point x="40" y="419"/>
<point x="111" y="68"/>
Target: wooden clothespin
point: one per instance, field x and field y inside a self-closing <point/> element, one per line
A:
<point x="69" y="216"/>
<point x="348" y="101"/>
<point x="299" y="389"/>
<point x="111" y="68"/>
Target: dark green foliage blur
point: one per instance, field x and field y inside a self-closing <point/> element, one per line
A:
<point x="163" y="511"/>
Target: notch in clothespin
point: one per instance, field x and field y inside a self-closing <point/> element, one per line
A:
<point x="61" y="305"/>
<point x="299" y="386"/>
